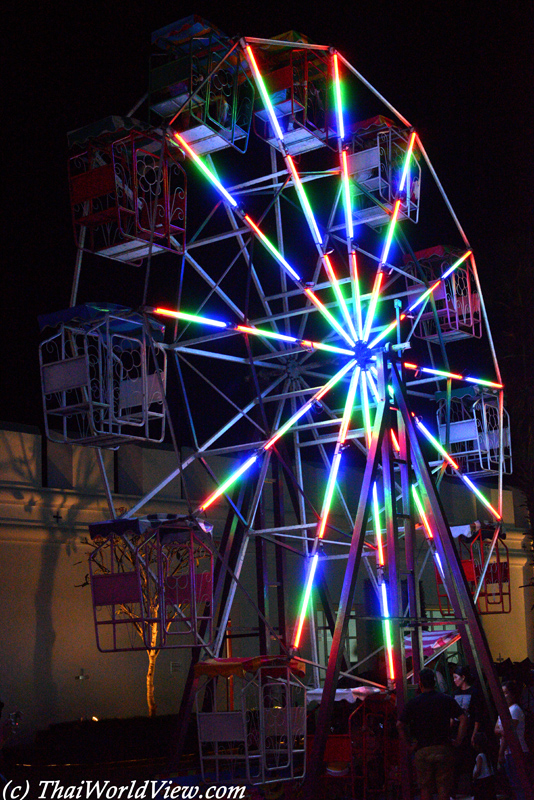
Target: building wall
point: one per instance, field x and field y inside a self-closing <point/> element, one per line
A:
<point x="512" y="635"/>
<point x="46" y="615"/>
<point x="46" y="618"/>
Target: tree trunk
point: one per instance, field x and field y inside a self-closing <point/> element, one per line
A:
<point x="152" y="656"/>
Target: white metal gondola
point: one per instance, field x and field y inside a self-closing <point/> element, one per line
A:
<point x="201" y="83"/>
<point x="377" y="148"/>
<point x="473" y="433"/>
<point x="251" y="717"/>
<point x="103" y="378"/>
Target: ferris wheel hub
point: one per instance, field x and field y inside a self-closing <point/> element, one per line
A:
<point x="364" y="354"/>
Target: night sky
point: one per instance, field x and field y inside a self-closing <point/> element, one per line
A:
<point x="461" y="72"/>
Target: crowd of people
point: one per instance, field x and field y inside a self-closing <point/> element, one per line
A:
<point x="458" y="752"/>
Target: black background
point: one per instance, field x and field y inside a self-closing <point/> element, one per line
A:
<point x="461" y="72"/>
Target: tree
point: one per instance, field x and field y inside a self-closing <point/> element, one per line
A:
<point x="151" y="589"/>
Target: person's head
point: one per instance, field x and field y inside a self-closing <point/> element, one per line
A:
<point x="462" y="676"/>
<point x="480" y="742"/>
<point x="427" y="679"/>
<point x="511" y="691"/>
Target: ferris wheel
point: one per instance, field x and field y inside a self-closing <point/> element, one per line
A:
<point x="314" y="327"/>
<point x="302" y="272"/>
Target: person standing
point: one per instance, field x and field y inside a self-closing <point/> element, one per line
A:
<point x="484" y="784"/>
<point x="468" y="695"/>
<point x="512" y="691"/>
<point x="425" y="726"/>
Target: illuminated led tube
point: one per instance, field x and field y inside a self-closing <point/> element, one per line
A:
<point x="407" y="162"/>
<point x="424" y="296"/>
<point x="383" y="260"/>
<point x="330" y="486"/>
<point x="437" y="559"/>
<point x="349" y="405"/>
<point x="480" y="496"/>
<point x="385" y="253"/>
<point x="207" y="172"/>
<point x="383" y="590"/>
<point x="268" y="334"/>
<point x="372" y="385"/>
<point x="305" y="203"/>
<point x="318" y="241"/>
<point x="482" y="382"/>
<point x="329" y="348"/>
<point x="191" y="317"/>
<point x="379" y="276"/>
<point x="336" y="460"/>
<point x="389" y="647"/>
<point x="279" y="257"/>
<point x="228" y="482"/>
<point x="454" y="375"/>
<point x="346" y="193"/>
<point x="337" y="290"/>
<point x="389" y="237"/>
<point x="357" y="294"/>
<point x="264" y="94"/>
<point x="305" y="600"/>
<point x="391" y="327"/>
<point x="378" y="528"/>
<point x="387" y="627"/>
<point x="366" y="411"/>
<point x="254" y="331"/>
<point x="426" y="524"/>
<point x="339" y="105"/>
<point x="456" y="264"/>
<point x="432" y="439"/>
<point x="445" y="275"/>
<point x="394" y="441"/>
<point x="326" y="313"/>
<point x="421" y="510"/>
<point x="442" y="373"/>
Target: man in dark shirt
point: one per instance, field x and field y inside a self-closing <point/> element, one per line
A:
<point x="469" y="696"/>
<point x="428" y="718"/>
